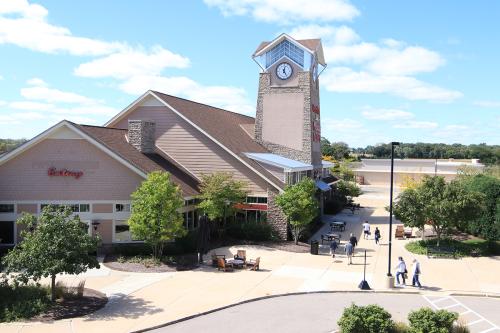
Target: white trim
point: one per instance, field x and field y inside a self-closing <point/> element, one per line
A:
<point x="62" y="123"/>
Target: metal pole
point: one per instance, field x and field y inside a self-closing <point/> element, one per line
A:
<point x="364" y="269"/>
<point x="390" y="208"/>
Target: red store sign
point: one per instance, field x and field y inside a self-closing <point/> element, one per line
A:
<point x="64" y="173"/>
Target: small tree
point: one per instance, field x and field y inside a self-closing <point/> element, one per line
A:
<point x="218" y="194"/>
<point x="299" y="205"/>
<point x="348" y="189"/>
<point x="57" y="243"/>
<point x="156" y="216"/>
<point x="444" y="206"/>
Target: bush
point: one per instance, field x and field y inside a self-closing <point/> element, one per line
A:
<point x="250" y="231"/>
<point x="426" y="320"/>
<point x="400" y="327"/>
<point x="466" y="248"/>
<point x="366" y="319"/>
<point x="22" y="302"/>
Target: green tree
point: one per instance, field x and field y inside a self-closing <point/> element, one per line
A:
<point x="429" y="321"/>
<point x="342" y="169"/>
<point x="348" y="189"/>
<point x="444" y="206"/>
<point x="57" y="243"/>
<point x="156" y="216"/>
<point x="299" y="205"/>
<point x="340" y="150"/>
<point x="219" y="193"/>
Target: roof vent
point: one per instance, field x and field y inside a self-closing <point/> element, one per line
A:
<point x="141" y="135"/>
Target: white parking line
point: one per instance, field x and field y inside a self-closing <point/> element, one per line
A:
<point x="469" y="310"/>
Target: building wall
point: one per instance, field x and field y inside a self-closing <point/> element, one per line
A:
<point x="384" y="178"/>
<point x="191" y="148"/>
<point x="25" y="177"/>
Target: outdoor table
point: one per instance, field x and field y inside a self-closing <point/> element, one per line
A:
<point x="337" y="225"/>
<point x="332" y="236"/>
<point x="236" y="262"/>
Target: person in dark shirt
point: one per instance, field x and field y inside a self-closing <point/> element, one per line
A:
<point x="377" y="235"/>
<point x="354" y="241"/>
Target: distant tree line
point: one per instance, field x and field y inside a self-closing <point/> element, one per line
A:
<point x="488" y="154"/>
<point x="9" y="144"/>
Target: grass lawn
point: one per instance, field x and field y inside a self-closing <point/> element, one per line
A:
<point x="466" y="248"/>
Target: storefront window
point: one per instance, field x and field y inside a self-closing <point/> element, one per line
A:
<point x="122" y="232"/>
<point x="122" y="208"/>
<point x="7" y="232"/>
<point x="6" y="208"/>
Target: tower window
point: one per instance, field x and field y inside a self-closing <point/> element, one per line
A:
<point x="285" y="48"/>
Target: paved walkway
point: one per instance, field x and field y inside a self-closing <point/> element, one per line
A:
<point x="320" y="313"/>
<point x="142" y="300"/>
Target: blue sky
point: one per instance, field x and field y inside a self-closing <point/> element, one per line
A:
<point x="421" y="71"/>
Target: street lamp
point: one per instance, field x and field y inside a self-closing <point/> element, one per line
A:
<point x="390" y="207"/>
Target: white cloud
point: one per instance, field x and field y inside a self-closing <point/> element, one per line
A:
<point x="338" y="35"/>
<point x="36" y="82"/>
<point x="132" y="62"/>
<point x="230" y="98"/>
<point x="350" y="54"/>
<point x="386" y="114"/>
<point x="51" y="95"/>
<point x="27" y="105"/>
<point x="25" y="25"/>
<point x="341" y="125"/>
<point x="344" y="79"/>
<point x="19" y="118"/>
<point x="410" y="60"/>
<point x="488" y="104"/>
<point x="417" y="125"/>
<point x="285" y="12"/>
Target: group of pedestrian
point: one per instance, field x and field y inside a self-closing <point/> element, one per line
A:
<point x="367" y="232"/>
<point x="402" y="271"/>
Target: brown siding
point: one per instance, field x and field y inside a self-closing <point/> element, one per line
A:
<point x="102" y="208"/>
<point x="25" y="176"/>
<point x="105" y="231"/>
<point x="27" y="208"/>
<point x="191" y="148"/>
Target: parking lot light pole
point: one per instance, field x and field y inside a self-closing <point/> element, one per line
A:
<point x="390" y="207"/>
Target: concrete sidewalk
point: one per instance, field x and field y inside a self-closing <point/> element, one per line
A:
<point x="142" y="300"/>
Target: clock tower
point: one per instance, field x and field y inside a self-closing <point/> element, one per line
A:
<point x="288" y="112"/>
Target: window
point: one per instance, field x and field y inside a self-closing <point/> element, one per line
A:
<point x="122" y="208"/>
<point x="75" y="208"/>
<point x="256" y="200"/>
<point x="189" y="202"/>
<point x="6" y="232"/>
<point x="6" y="208"/>
<point x="84" y="208"/>
<point x="122" y="232"/>
<point x="285" y="48"/>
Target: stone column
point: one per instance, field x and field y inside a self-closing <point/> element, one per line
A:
<point x="275" y="216"/>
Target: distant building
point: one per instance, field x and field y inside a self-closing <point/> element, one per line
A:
<point x="377" y="171"/>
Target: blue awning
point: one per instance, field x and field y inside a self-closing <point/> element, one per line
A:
<point x="286" y="164"/>
<point x="322" y="186"/>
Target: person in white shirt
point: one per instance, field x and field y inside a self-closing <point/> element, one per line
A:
<point x="366" y="230"/>
<point x="416" y="273"/>
<point x="401" y="270"/>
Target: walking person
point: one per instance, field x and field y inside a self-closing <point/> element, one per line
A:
<point x="333" y="247"/>
<point x="366" y="230"/>
<point x="377" y="235"/>
<point x="416" y="273"/>
<point x="349" y="251"/>
<point x="401" y="270"/>
<point x="354" y="242"/>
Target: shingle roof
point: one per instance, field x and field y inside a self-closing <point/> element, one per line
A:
<point x="226" y="127"/>
<point x="115" y="139"/>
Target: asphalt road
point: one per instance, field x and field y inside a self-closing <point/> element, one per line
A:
<point x="320" y="312"/>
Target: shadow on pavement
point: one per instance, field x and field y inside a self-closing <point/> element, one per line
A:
<point x="124" y="307"/>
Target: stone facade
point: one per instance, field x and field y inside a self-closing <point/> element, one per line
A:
<point x="304" y="87"/>
<point x="275" y="216"/>
<point x="141" y="135"/>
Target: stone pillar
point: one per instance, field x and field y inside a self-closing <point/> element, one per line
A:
<point x="275" y="216"/>
<point x="141" y="135"/>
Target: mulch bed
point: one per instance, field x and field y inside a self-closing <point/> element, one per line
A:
<point x="288" y="246"/>
<point x="91" y="301"/>
<point x="111" y="262"/>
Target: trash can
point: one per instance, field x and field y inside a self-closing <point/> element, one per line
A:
<point x="390" y="282"/>
<point x="314" y="247"/>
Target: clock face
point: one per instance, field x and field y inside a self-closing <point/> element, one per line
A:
<point x="284" y="70"/>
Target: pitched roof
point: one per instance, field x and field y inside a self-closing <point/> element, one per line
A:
<point x="115" y="139"/>
<point x="226" y="127"/>
<point x="311" y="44"/>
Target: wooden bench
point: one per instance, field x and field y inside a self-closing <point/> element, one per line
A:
<point x="441" y="252"/>
<point x="216" y="257"/>
<point x="400" y="232"/>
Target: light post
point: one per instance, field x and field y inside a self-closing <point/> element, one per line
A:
<point x="390" y="208"/>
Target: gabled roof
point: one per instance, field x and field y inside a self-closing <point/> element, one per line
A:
<point x="313" y="46"/>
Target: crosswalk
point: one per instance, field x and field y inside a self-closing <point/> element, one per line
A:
<point x="475" y="321"/>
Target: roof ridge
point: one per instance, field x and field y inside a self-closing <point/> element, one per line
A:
<point x="210" y="106"/>
<point x="103" y="127"/>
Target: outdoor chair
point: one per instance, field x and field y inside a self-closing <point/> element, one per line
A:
<point x="241" y="255"/>
<point x="216" y="257"/>
<point x="222" y="265"/>
<point x="254" y="264"/>
<point x="400" y="232"/>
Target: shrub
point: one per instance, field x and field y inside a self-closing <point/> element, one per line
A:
<point x="425" y="320"/>
<point x="463" y="248"/>
<point x="22" y="302"/>
<point x="366" y="319"/>
<point x="334" y="205"/>
<point x="400" y="327"/>
<point x="250" y="231"/>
